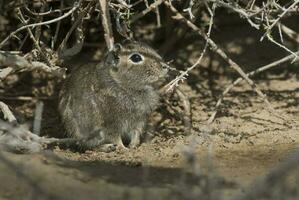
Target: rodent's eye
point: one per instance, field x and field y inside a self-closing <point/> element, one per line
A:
<point x="136" y="58"/>
<point x="164" y="67"/>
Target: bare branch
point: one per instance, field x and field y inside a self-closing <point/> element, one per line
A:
<point x="279" y="18"/>
<point x="17" y="139"/>
<point x="35" y="42"/>
<point x="183" y="75"/>
<point x="224" y="56"/>
<point x="147" y="10"/>
<point x="7" y="113"/>
<point x="20" y="63"/>
<point x="65" y="52"/>
<point x="290" y="33"/>
<point x="38" y="117"/>
<point x="252" y="73"/>
<point x="5" y="72"/>
<point x="76" y="5"/>
<point x="240" y="11"/>
<point x="106" y="22"/>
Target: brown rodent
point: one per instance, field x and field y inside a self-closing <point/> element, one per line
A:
<point x="103" y="104"/>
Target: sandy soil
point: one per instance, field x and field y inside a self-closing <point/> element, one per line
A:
<point x="244" y="143"/>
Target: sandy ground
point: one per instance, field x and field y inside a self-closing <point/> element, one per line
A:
<point x="244" y="143"/>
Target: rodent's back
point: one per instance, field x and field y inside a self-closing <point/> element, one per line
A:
<point x="77" y="97"/>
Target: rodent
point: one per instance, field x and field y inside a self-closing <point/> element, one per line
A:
<point x="101" y="105"/>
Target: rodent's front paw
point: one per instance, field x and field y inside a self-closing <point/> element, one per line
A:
<point x="133" y="145"/>
<point x="107" y="148"/>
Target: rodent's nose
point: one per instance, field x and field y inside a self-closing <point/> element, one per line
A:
<point x="165" y="66"/>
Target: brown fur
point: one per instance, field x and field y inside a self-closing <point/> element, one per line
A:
<point x="101" y="104"/>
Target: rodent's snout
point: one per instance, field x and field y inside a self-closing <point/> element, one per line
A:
<point x="165" y="67"/>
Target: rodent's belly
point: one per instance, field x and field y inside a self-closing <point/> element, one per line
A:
<point x="111" y="115"/>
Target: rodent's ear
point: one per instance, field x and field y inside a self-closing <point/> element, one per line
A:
<point x="117" y="47"/>
<point x="112" y="58"/>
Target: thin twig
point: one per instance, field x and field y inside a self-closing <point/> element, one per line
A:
<point x="20" y="63"/>
<point x="240" y="11"/>
<point x="53" y="42"/>
<point x="35" y="42"/>
<point x="158" y="17"/>
<point x="282" y="46"/>
<point x="38" y="117"/>
<point x="252" y="73"/>
<point x="290" y="33"/>
<point x="214" y="47"/>
<point x="47" y="12"/>
<point x="76" y="5"/>
<point x="38" y="29"/>
<point x="65" y="52"/>
<point x="279" y="18"/>
<point x="147" y="10"/>
<point x="183" y="75"/>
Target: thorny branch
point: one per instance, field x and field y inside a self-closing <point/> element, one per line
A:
<point x="15" y="138"/>
<point x="252" y="73"/>
<point x="16" y="62"/>
<point x="76" y="5"/>
<point x="214" y="47"/>
<point x="183" y="75"/>
<point x="147" y="10"/>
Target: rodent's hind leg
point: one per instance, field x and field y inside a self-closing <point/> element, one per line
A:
<point x="106" y="148"/>
<point x="104" y="144"/>
<point x="119" y="143"/>
<point x="98" y="145"/>
<point x="135" y="139"/>
<point x="93" y="143"/>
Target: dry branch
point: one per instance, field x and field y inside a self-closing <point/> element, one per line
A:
<point x="106" y="22"/>
<point x="62" y="50"/>
<point x="183" y="75"/>
<point x="5" y="72"/>
<point x="7" y="113"/>
<point x="15" y="138"/>
<point x="252" y="73"/>
<point x="75" y="7"/>
<point x="38" y="117"/>
<point x="35" y="42"/>
<point x="214" y="47"/>
<point x="290" y="33"/>
<point x="147" y="10"/>
<point x="279" y="18"/>
<point x="240" y="11"/>
<point x="16" y="62"/>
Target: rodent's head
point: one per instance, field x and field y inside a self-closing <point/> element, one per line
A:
<point x="135" y="64"/>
